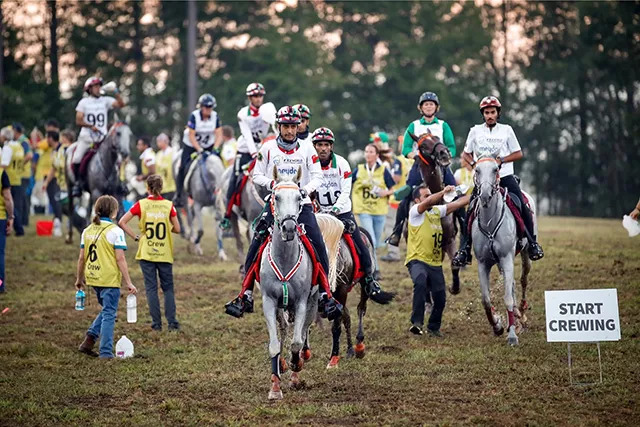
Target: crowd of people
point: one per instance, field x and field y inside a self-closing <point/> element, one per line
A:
<point x="34" y="170"/>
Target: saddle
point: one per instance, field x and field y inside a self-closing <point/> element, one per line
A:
<point x="236" y="199"/>
<point x="514" y="206"/>
<point x="86" y="160"/>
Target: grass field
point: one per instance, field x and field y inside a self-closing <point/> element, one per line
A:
<point x="216" y="369"/>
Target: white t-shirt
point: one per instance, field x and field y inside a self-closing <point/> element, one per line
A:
<point x="96" y="113"/>
<point x="500" y="140"/>
<point x="288" y="162"/>
<point x="335" y="190"/>
<point x="253" y="129"/>
<point x="7" y="154"/>
<point x="204" y="129"/>
<point x="229" y="150"/>
<point x="416" y="219"/>
<point x="115" y="236"/>
<point x="148" y="157"/>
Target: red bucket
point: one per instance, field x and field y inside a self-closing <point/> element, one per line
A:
<point x="44" y="228"/>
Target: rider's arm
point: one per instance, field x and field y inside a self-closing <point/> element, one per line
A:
<point x="194" y="142"/>
<point x="407" y="142"/>
<point x="449" y="140"/>
<point x="217" y="135"/>
<point x="80" y="122"/>
<point x="261" y="176"/>
<point x="513" y="146"/>
<point x="469" y="147"/>
<point x="345" y="188"/>
<point x="512" y="157"/>
<point x="315" y="170"/>
<point x="119" y="102"/>
<point x="245" y="130"/>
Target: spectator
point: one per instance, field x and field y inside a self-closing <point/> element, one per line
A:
<point x="55" y="180"/>
<point x="12" y="162"/>
<point x="370" y="198"/>
<point x="102" y="265"/>
<point x="6" y="222"/>
<point x="25" y="176"/>
<point x="164" y="166"/>
<point x="42" y="160"/>
<point x="229" y="146"/>
<point x="147" y="158"/>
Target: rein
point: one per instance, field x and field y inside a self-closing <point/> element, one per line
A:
<point x="491" y="235"/>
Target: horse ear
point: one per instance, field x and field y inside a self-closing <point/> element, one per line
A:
<point x="298" y="176"/>
<point x="275" y="173"/>
<point x="415" y="138"/>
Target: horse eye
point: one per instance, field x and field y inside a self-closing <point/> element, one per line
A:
<point x="277" y="198"/>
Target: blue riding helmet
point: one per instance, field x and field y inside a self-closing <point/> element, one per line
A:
<point x="207" y="100"/>
<point x="429" y="96"/>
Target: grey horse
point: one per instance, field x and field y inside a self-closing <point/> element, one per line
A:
<point x="494" y="242"/>
<point x="251" y="205"/>
<point x="202" y="185"/>
<point x="103" y="171"/>
<point x="286" y="278"/>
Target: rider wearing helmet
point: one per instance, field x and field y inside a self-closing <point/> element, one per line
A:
<point x="305" y="118"/>
<point x="289" y="156"/>
<point x="493" y="137"/>
<point x="428" y="106"/>
<point x="334" y="196"/>
<point x="201" y="135"/>
<point x="92" y="116"/>
<point x="254" y="121"/>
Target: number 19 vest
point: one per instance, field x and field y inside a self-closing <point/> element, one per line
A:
<point x="156" y="242"/>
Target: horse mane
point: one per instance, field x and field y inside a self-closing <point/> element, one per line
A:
<point x="331" y="229"/>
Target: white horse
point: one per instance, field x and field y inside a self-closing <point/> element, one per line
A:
<point x="286" y="272"/>
<point x="494" y="242"/>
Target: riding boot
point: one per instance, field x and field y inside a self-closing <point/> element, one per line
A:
<point x="463" y="256"/>
<point x="401" y="216"/>
<point x="535" y="250"/>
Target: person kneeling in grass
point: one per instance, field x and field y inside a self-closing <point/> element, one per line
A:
<point x="102" y="264"/>
<point x="424" y="255"/>
<point x="157" y="220"/>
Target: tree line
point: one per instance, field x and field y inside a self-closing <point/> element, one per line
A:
<point x="566" y="73"/>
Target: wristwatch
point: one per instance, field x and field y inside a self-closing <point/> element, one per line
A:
<point x="137" y="238"/>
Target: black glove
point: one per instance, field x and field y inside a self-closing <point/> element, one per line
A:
<point x="303" y="193"/>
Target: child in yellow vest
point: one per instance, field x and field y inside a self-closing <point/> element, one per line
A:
<point x="425" y="254"/>
<point x="157" y="220"/>
<point x="102" y="264"/>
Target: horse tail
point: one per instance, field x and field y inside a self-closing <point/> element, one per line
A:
<point x="331" y="229"/>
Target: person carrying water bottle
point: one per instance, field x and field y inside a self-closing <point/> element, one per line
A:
<point x="289" y="156"/>
<point x="486" y="139"/>
<point x="92" y="116"/>
<point x="202" y="135"/>
<point x="102" y="264"/>
<point x="157" y="220"/>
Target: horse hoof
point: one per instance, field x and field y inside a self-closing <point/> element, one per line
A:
<point x="297" y="367"/>
<point x="283" y="365"/>
<point x="333" y="362"/>
<point x="275" y="395"/>
<point x="512" y="341"/>
<point x="68" y="240"/>
<point x="350" y="353"/>
<point x="222" y="256"/>
<point x="295" y="382"/>
<point x="454" y="290"/>
<point x="524" y="305"/>
<point x="199" y="250"/>
<point x="498" y="332"/>
<point x="360" y="350"/>
<point x="306" y="354"/>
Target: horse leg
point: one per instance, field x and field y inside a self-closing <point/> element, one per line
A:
<point x="494" y="320"/>
<point x="239" y="245"/>
<point x="454" y="289"/>
<point x="282" y="326"/>
<point x="222" y="255"/>
<point x="524" y="282"/>
<point x="296" y="343"/>
<point x="509" y="297"/>
<point x="346" y="320"/>
<point x="269" y="307"/>
<point x="362" y="310"/>
<point x="197" y="212"/>
<point x="306" y="349"/>
<point x="336" y="330"/>
<point x="311" y="314"/>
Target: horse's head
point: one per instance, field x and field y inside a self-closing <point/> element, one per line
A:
<point x="120" y="138"/>
<point x="431" y="150"/>
<point x="286" y="203"/>
<point x="486" y="179"/>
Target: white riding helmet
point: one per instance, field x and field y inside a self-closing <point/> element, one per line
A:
<point x="93" y="80"/>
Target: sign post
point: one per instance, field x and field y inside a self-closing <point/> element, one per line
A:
<point x="589" y="315"/>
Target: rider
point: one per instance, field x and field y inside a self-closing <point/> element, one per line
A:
<point x="491" y="137"/>
<point x="254" y="126"/>
<point x="286" y="153"/>
<point x="428" y="106"/>
<point x="334" y="196"/>
<point x="202" y="135"/>
<point x="304" y="135"/>
<point x="92" y="116"/>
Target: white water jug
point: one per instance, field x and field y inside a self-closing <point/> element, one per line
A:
<point x="632" y="226"/>
<point x="132" y="310"/>
<point x="124" y="347"/>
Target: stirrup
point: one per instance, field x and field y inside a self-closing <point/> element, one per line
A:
<point x="462" y="258"/>
<point x="225" y="224"/>
<point x="535" y="251"/>
<point x="393" y="240"/>
<point x="235" y="308"/>
<point x="370" y="286"/>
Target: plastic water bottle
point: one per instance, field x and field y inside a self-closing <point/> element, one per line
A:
<point x="132" y="311"/>
<point x="80" y="297"/>
<point x="124" y="347"/>
<point x="459" y="191"/>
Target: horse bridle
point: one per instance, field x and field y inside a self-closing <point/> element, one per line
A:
<point x="496" y="184"/>
<point x="290" y="217"/>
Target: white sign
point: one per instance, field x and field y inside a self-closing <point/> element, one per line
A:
<point x="584" y="315"/>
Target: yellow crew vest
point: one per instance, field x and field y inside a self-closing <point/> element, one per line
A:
<point x="100" y="267"/>
<point x="3" y="207"/>
<point x="365" y="202"/>
<point x="59" y="165"/>
<point x="156" y="242"/>
<point x="424" y="242"/>
<point x="164" y="168"/>
<point x="466" y="177"/>
<point x="14" y="170"/>
<point x="26" y="166"/>
<point x="45" y="160"/>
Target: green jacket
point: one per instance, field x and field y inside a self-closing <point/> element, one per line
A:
<point x="447" y="135"/>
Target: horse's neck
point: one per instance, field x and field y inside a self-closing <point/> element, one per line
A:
<point x="432" y="177"/>
<point x="491" y="214"/>
<point x="107" y="154"/>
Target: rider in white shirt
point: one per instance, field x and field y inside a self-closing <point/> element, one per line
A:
<point x="334" y="196"/>
<point x="92" y="115"/>
<point x="254" y="121"/>
<point x="289" y="156"/>
<point x="304" y="134"/>
<point x="202" y="135"/>
<point x="489" y="138"/>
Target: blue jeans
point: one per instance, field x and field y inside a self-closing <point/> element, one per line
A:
<point x="105" y="322"/>
<point x="374" y="224"/>
<point x="3" y="242"/>
<point x="151" y="271"/>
